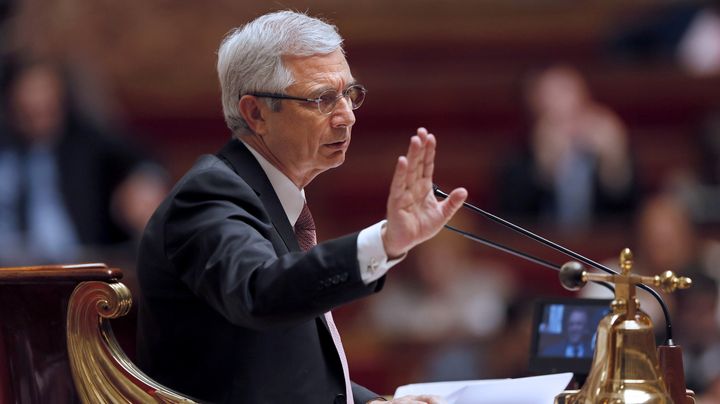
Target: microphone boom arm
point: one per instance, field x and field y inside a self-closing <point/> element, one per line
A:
<point x="519" y="254"/>
<point x="668" y="325"/>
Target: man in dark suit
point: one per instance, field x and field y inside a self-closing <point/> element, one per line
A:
<point x="236" y="295"/>
<point x="578" y="337"/>
<point x="68" y="185"/>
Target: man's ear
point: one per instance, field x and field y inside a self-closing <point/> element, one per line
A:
<point x="253" y="110"/>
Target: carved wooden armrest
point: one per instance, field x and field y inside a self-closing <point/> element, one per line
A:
<point x="101" y="371"/>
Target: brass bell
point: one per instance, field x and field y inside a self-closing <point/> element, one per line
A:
<point x="625" y="366"/>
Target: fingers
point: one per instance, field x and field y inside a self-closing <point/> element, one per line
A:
<point x="431" y="399"/>
<point x="399" y="180"/>
<point x="421" y="399"/>
<point x="420" y="177"/>
<point x="426" y="165"/>
<point x="453" y="202"/>
<point x="416" y="158"/>
<point x="429" y="160"/>
<point x="414" y="171"/>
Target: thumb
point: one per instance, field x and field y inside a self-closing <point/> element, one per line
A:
<point x="453" y="202"/>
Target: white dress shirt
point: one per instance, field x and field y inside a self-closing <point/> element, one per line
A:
<point x="372" y="258"/>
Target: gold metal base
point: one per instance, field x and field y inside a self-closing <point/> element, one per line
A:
<point x="625" y="368"/>
<point x="101" y="371"/>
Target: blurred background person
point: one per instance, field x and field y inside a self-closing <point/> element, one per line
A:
<point x="684" y="33"/>
<point x="6" y="11"/>
<point x="66" y="185"/>
<point x="449" y="305"/>
<point x="698" y="186"/>
<point x="667" y="238"/>
<point x="698" y="51"/>
<point x="578" y="166"/>
<point x="698" y="333"/>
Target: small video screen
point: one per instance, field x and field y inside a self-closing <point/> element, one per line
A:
<point x="564" y="333"/>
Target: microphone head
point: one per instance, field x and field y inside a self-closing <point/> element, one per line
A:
<point x="438" y="192"/>
<point x="571" y="275"/>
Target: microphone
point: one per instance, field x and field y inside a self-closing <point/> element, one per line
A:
<point x="527" y="233"/>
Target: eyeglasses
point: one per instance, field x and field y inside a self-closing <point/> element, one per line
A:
<point x="327" y="100"/>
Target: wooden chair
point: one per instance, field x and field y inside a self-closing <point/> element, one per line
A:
<point x="56" y="343"/>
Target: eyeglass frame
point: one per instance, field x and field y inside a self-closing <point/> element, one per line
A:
<point x="317" y="100"/>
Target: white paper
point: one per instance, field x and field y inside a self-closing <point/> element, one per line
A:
<point x="442" y="389"/>
<point x="526" y="390"/>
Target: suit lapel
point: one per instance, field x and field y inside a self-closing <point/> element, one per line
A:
<point x="246" y="166"/>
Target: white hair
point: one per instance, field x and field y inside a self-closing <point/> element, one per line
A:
<point x="250" y="56"/>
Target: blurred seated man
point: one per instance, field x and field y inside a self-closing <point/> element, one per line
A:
<point x="65" y="185"/>
<point x="578" y="165"/>
<point x="665" y="238"/>
<point x="462" y="297"/>
<point x="697" y="331"/>
<point x="236" y="293"/>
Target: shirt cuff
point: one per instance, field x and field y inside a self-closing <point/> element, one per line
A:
<point x="372" y="257"/>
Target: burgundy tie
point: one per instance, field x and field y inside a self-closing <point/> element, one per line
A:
<point x="305" y="229"/>
<point x="307" y="238"/>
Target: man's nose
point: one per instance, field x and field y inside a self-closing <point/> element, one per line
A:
<point x="343" y="114"/>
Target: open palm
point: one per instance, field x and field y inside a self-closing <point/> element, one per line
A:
<point x="413" y="213"/>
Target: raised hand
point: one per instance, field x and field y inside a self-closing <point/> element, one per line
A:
<point x="413" y="213"/>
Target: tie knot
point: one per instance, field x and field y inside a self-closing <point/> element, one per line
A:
<point x="305" y="229"/>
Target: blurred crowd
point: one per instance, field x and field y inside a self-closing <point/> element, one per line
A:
<point x="457" y="315"/>
<point x="463" y="317"/>
<point x="71" y="186"/>
<point x="74" y="187"/>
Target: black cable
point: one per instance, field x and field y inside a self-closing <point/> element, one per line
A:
<point x="566" y="251"/>
<point x="516" y="253"/>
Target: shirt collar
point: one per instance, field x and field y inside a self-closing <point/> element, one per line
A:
<point x="291" y="198"/>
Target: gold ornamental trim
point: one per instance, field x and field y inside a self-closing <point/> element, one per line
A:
<point x="100" y="369"/>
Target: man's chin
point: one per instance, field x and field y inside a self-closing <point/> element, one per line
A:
<point x="334" y="160"/>
<point x="337" y="161"/>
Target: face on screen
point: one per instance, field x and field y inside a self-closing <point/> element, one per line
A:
<point x="577" y="326"/>
<point x="564" y="334"/>
<point x="568" y="330"/>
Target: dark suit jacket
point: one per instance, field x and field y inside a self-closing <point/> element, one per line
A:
<point x="523" y="194"/>
<point x="231" y="309"/>
<point x="91" y="164"/>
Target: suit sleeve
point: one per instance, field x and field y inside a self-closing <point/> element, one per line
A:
<point x="361" y="395"/>
<point x="218" y="238"/>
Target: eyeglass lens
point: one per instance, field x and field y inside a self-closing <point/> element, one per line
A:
<point x="329" y="99"/>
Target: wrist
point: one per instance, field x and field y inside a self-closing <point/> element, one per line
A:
<point x="391" y="252"/>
